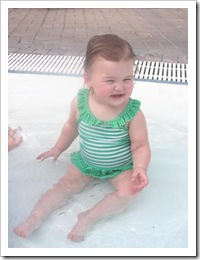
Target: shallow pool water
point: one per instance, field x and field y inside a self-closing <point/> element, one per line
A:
<point x="156" y="218"/>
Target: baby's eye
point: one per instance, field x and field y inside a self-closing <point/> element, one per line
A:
<point x="110" y="81"/>
<point x="128" y="79"/>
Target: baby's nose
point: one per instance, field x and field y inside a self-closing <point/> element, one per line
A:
<point x="119" y="86"/>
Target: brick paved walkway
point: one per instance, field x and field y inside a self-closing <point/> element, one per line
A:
<point x="155" y="34"/>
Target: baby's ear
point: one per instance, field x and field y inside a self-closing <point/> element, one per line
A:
<point x="86" y="79"/>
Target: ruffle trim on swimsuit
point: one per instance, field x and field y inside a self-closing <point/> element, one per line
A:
<point x="100" y="173"/>
<point x="120" y="121"/>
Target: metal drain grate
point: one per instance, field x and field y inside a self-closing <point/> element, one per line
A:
<point x="161" y="71"/>
<point x="73" y="66"/>
<point x="45" y="64"/>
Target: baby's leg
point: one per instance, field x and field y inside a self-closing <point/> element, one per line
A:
<point x="110" y="204"/>
<point x="54" y="198"/>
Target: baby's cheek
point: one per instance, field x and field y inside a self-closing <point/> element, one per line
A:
<point x="103" y="93"/>
<point x="129" y="87"/>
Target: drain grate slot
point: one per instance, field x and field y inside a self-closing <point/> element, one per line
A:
<point x="73" y="66"/>
<point x="161" y="71"/>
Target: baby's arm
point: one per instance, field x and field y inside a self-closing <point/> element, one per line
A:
<point x="68" y="135"/>
<point x="140" y="150"/>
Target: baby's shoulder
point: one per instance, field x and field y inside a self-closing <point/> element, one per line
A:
<point x="138" y="119"/>
<point x="74" y="103"/>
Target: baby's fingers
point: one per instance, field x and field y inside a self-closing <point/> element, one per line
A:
<point x="43" y="156"/>
<point x="55" y="157"/>
<point x="11" y="132"/>
<point x="39" y="157"/>
<point x="138" y="187"/>
<point x="18" y="140"/>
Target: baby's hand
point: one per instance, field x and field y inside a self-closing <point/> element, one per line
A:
<point x="54" y="152"/>
<point x="13" y="140"/>
<point x="139" y="179"/>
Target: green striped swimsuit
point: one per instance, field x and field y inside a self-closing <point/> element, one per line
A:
<point x="105" y="147"/>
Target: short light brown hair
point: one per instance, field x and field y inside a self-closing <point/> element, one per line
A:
<point x="108" y="46"/>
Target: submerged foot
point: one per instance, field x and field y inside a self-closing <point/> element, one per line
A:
<point x="78" y="232"/>
<point x="26" y="228"/>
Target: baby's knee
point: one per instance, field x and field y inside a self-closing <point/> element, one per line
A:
<point x="126" y="194"/>
<point x="70" y="185"/>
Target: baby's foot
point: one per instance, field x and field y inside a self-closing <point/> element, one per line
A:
<point x="25" y="229"/>
<point x="78" y="232"/>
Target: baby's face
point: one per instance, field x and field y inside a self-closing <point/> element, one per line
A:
<point x="112" y="82"/>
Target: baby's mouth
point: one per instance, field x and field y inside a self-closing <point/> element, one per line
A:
<point x="117" y="96"/>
